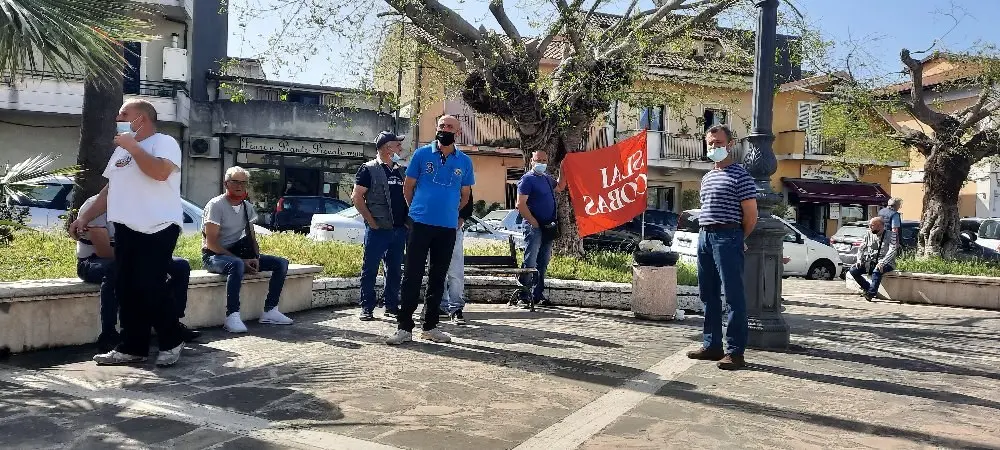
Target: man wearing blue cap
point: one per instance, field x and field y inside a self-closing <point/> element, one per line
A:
<point x="438" y="184"/>
<point x="378" y="196"/>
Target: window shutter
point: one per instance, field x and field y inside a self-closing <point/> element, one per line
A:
<point x="805" y="111"/>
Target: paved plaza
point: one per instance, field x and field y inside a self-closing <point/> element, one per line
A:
<point x="859" y="375"/>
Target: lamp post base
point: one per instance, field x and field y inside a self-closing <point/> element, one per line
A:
<point x="762" y="280"/>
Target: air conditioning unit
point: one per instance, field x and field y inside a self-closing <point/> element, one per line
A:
<point x="205" y="147"/>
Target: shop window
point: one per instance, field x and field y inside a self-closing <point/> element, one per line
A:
<point x="852" y="213"/>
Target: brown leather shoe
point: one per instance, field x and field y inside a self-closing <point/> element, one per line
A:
<point x="707" y="354"/>
<point x="732" y="362"/>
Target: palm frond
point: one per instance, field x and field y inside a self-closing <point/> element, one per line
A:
<point x="67" y="38"/>
<point x="21" y="178"/>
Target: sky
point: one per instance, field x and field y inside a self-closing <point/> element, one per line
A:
<point x="879" y="27"/>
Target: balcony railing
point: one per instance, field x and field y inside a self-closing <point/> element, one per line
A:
<point x="681" y="147"/>
<point x="816" y="145"/>
<point x="486" y="130"/>
<point x="154" y="88"/>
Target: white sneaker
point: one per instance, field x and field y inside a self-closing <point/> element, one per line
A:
<point x="115" y="357"/>
<point x="435" y="335"/>
<point x="400" y="337"/>
<point x="169" y="357"/>
<point x="275" y="317"/>
<point x="234" y="324"/>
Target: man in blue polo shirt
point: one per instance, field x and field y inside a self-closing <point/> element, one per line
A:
<point x="438" y="184"/>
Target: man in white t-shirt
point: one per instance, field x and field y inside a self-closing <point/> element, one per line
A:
<point x="143" y="201"/>
<point x="95" y="255"/>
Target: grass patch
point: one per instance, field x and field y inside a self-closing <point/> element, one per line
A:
<point x="40" y="255"/>
<point x="948" y="267"/>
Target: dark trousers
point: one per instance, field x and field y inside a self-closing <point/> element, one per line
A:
<point x="382" y="245"/>
<point x="720" y="271"/>
<point x="870" y="288"/>
<point x="102" y="270"/>
<point x="141" y="287"/>
<point x="438" y="242"/>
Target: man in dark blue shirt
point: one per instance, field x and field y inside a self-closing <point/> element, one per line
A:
<point x="728" y="216"/>
<point x="536" y="201"/>
<point x="438" y="184"/>
<point x="378" y="196"/>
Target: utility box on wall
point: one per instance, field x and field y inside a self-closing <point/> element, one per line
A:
<point x="175" y="64"/>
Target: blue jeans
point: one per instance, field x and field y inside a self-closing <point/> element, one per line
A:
<point x="870" y="288"/>
<point x="102" y="270"/>
<point x="452" y="299"/>
<point x="720" y="270"/>
<point x="234" y="267"/>
<point x="382" y="245"/>
<point x="537" y="252"/>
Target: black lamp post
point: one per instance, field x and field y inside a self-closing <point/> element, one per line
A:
<point x="763" y="264"/>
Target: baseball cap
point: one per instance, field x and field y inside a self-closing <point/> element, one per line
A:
<point x="385" y="137"/>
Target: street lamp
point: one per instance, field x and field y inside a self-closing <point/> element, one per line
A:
<point x="763" y="263"/>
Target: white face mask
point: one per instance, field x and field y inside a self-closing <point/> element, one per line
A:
<point x="718" y="154"/>
<point x="396" y="158"/>
<point x="126" y="127"/>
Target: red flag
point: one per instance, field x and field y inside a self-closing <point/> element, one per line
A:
<point x="608" y="185"/>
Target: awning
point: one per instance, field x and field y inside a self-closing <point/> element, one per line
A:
<point x="818" y="191"/>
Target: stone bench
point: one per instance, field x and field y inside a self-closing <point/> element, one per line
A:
<point x="39" y="314"/>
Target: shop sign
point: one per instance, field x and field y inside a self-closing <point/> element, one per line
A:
<point x="834" y="211"/>
<point x="303" y="147"/>
<point x="821" y="172"/>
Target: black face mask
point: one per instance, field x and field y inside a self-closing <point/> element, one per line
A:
<point x="445" y="138"/>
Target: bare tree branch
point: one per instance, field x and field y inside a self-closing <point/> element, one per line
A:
<point x="443" y="23"/>
<point x="908" y="136"/>
<point x="445" y="53"/>
<point x="918" y="104"/>
<point x="692" y="5"/>
<point x="496" y="7"/>
<point x="693" y="22"/>
<point x="981" y="109"/>
<point x="984" y="144"/>
<point x="568" y="13"/>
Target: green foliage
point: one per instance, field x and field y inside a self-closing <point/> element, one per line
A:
<point x="68" y="38"/>
<point x="38" y="255"/>
<point x="480" y="209"/>
<point x="948" y="267"/>
<point x="780" y="210"/>
<point x="690" y="199"/>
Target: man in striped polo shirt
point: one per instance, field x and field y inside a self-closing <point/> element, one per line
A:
<point x="728" y="216"/>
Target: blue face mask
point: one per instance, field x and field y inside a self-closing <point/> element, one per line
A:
<point x="396" y="158"/>
<point x="539" y="168"/>
<point x="125" y="127"/>
<point x="718" y="154"/>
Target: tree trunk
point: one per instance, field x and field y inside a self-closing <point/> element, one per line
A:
<point x="569" y="242"/>
<point x="101" y="101"/>
<point x="944" y="174"/>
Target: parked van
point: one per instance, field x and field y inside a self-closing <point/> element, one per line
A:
<point x="807" y="257"/>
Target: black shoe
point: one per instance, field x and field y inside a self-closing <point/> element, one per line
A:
<point x="868" y="296"/>
<point x="525" y="304"/>
<point x="189" y="335"/>
<point x="458" y="318"/>
<point x="391" y="313"/>
<point x="707" y="354"/>
<point x="366" y="315"/>
<point x="108" y="341"/>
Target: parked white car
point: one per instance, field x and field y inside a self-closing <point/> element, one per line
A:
<point x="988" y="234"/>
<point x="348" y="226"/>
<point x="505" y="219"/>
<point x="807" y="257"/>
<point x="49" y="203"/>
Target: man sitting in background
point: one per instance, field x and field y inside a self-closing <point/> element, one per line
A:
<point x="96" y="264"/>
<point x="876" y="257"/>
<point x="230" y="247"/>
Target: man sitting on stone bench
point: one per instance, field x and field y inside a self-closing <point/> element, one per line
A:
<point x="230" y="248"/>
<point x="96" y="264"/>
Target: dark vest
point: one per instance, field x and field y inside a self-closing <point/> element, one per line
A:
<point x="378" y="199"/>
